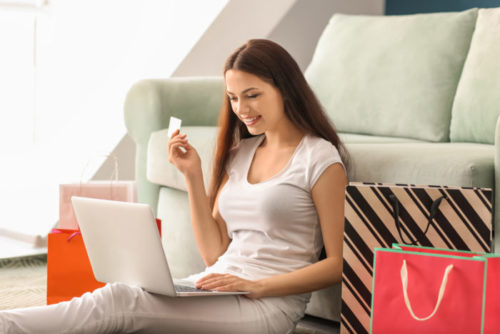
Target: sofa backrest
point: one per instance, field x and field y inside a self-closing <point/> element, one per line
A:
<point x="477" y="101"/>
<point x="392" y="75"/>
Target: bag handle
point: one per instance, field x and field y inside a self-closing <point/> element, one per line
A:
<point x="74" y="234"/>
<point x="404" y="281"/>
<point x="434" y="210"/>
<point x="114" y="176"/>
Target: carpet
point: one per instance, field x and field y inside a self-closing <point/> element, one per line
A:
<point x="23" y="282"/>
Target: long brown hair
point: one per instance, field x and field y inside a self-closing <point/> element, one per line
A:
<point x="273" y="64"/>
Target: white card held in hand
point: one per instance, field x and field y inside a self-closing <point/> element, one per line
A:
<point x="174" y="125"/>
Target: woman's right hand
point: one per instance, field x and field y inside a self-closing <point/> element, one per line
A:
<point x="188" y="162"/>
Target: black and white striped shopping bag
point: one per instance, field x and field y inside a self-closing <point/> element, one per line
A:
<point x="378" y="215"/>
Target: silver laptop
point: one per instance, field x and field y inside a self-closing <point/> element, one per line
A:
<point x="124" y="245"/>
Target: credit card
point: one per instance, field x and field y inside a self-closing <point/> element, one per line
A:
<point x="173" y="125"/>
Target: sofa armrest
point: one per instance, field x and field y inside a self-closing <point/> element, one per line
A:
<point x="148" y="107"/>
<point x="496" y="196"/>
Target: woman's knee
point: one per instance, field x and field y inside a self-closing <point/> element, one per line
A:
<point x="121" y="297"/>
<point x="113" y="305"/>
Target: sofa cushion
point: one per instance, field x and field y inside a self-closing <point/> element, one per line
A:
<point x="391" y="75"/>
<point x="326" y="303"/>
<point x="478" y="89"/>
<point x="161" y="171"/>
<point x="178" y="239"/>
<point x="357" y="138"/>
<point x="203" y="138"/>
<point x="451" y="164"/>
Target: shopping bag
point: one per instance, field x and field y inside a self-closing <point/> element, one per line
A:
<point x="432" y="291"/>
<point x="69" y="273"/>
<point x="113" y="190"/>
<point x="378" y="215"/>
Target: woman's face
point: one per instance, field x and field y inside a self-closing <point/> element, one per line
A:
<point x="255" y="102"/>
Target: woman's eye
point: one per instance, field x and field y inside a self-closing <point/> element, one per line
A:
<point x="253" y="96"/>
<point x="232" y="99"/>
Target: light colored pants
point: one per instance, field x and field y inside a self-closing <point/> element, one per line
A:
<point x="119" y="308"/>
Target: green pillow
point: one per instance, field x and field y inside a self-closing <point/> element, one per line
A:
<point x="392" y="75"/>
<point x="477" y="102"/>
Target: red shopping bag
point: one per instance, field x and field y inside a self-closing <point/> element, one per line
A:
<point x="69" y="273"/>
<point x="492" y="296"/>
<point x="428" y="291"/>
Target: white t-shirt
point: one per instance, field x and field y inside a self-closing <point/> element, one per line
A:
<point x="273" y="224"/>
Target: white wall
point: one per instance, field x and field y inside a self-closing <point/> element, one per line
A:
<point x="90" y="52"/>
<point x="97" y="49"/>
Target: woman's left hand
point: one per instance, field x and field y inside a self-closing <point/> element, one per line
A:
<point x="227" y="282"/>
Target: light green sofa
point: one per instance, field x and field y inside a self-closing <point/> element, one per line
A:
<point x="415" y="98"/>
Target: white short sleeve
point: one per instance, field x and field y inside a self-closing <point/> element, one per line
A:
<point x="322" y="155"/>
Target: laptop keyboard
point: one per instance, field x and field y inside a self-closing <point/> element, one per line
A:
<point x="184" y="288"/>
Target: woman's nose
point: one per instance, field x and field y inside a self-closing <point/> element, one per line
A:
<point x="241" y="107"/>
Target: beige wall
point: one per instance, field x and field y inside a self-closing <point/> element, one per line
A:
<point x="239" y="21"/>
<point x="295" y="24"/>
<point x="125" y="155"/>
<point x="301" y="27"/>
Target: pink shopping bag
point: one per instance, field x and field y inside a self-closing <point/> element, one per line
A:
<point x="419" y="290"/>
<point x="113" y="190"/>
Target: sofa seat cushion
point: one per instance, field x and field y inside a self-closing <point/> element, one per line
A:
<point x="160" y="171"/>
<point x="179" y="243"/>
<point x="392" y="75"/>
<point x="358" y="138"/>
<point x="452" y="164"/>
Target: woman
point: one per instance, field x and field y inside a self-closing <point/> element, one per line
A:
<point x="276" y="198"/>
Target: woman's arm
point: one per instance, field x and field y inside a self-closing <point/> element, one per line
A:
<point x="328" y="195"/>
<point x="209" y="228"/>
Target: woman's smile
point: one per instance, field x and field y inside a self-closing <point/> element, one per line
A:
<point x="249" y="121"/>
